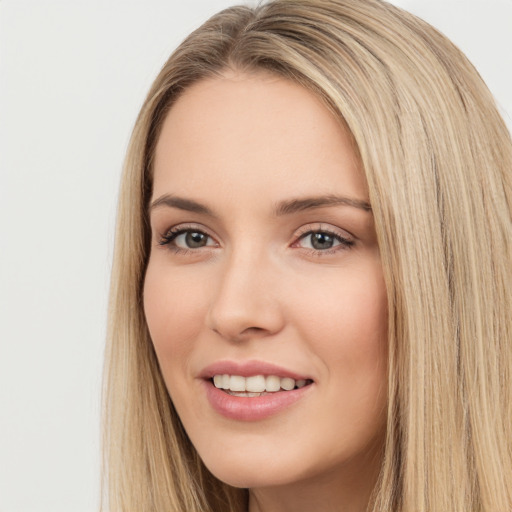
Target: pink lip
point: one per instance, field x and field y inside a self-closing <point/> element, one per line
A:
<point x="250" y="408"/>
<point x="248" y="368"/>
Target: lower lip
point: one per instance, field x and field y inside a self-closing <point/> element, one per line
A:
<point x="252" y="408"/>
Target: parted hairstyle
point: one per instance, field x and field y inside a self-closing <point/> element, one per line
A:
<point x="438" y="161"/>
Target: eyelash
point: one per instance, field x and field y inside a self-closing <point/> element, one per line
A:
<point x="344" y="243"/>
<point x="168" y="238"/>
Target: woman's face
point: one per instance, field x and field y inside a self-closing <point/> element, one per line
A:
<point x="265" y="275"/>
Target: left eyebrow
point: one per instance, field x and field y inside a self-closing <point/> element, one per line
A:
<point x="181" y="203"/>
<point x="308" y="203"/>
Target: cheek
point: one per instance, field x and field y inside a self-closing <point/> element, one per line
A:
<point x="346" y="325"/>
<point x="174" y="311"/>
<point x="347" y="310"/>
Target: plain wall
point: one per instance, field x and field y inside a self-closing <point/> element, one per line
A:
<point x="73" y="75"/>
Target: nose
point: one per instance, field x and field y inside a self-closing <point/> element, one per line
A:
<point x="245" y="302"/>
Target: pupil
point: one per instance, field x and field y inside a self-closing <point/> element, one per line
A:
<point x="321" y="241"/>
<point x="194" y="240"/>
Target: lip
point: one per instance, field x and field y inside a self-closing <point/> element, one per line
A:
<point x="255" y="408"/>
<point x="250" y="408"/>
<point x="249" y="368"/>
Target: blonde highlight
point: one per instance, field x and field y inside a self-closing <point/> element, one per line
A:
<point x="439" y="172"/>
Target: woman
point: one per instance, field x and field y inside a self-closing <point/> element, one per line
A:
<point x="312" y="284"/>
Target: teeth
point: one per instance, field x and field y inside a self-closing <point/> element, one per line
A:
<point x="221" y="381"/>
<point x="252" y="386"/>
<point x="255" y="384"/>
<point x="245" y="394"/>
<point x="287" y="383"/>
<point x="272" y="383"/>
<point x="237" y="383"/>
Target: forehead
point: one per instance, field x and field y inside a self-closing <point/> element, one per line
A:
<point x="254" y="134"/>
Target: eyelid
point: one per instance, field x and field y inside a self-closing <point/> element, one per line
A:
<point x="316" y="227"/>
<point x="344" y="238"/>
<point x="166" y="237"/>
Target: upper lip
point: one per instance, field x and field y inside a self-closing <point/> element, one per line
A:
<point x="248" y="369"/>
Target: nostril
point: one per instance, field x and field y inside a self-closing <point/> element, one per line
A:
<point x="252" y="330"/>
<point x="244" y="335"/>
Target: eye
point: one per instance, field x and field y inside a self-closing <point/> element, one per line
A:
<point x="322" y="240"/>
<point x="187" y="239"/>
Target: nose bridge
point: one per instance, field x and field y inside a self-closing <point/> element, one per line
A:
<point x="246" y="302"/>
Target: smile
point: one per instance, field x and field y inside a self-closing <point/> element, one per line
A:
<point x="256" y="385"/>
<point x="253" y="390"/>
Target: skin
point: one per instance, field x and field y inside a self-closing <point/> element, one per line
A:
<point x="260" y="290"/>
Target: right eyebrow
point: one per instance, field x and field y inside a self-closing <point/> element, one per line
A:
<point x="181" y="203"/>
<point x="310" y="203"/>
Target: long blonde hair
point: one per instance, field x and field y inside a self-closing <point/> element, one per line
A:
<point x="438" y="161"/>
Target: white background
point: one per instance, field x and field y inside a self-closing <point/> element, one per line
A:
<point x="73" y="74"/>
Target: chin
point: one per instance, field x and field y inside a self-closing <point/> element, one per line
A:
<point x="253" y="477"/>
<point x="268" y="466"/>
<point x="287" y="458"/>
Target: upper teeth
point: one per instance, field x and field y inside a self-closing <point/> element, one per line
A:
<point x="256" y="383"/>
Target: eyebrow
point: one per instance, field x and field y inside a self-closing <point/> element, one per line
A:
<point x="282" y="208"/>
<point x="182" y="204"/>
<point x="309" y="203"/>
